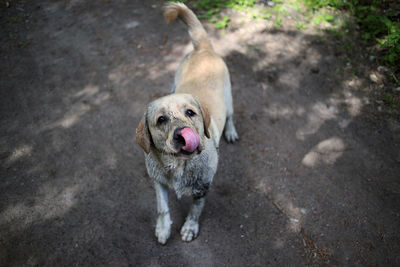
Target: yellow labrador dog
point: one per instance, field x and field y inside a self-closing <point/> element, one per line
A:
<point x="180" y="133"/>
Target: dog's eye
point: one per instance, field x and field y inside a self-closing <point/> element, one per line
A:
<point x="190" y="113"/>
<point x="161" y="120"/>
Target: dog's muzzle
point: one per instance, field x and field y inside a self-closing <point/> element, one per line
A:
<point x="186" y="140"/>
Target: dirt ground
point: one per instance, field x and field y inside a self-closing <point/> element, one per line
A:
<point x="314" y="179"/>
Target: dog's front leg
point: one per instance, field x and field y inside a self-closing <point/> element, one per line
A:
<point x="190" y="228"/>
<point x="163" y="228"/>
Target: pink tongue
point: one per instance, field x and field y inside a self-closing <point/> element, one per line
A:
<point x="192" y="139"/>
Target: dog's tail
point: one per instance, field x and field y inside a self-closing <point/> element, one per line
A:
<point x="196" y="31"/>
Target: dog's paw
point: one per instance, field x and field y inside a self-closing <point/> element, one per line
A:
<point x="189" y="230"/>
<point x="163" y="229"/>
<point x="231" y="135"/>
<point x="230" y="131"/>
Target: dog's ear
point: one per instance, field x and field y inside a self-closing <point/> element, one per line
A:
<point x="143" y="137"/>
<point x="206" y="120"/>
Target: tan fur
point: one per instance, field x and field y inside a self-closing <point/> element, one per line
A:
<point x="203" y="73"/>
<point x="142" y="135"/>
<point x="206" y="120"/>
<point x="196" y="30"/>
<point x="202" y="85"/>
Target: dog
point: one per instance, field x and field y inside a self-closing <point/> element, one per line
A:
<point x="180" y="132"/>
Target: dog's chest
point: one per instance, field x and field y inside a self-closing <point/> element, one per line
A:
<point x="184" y="177"/>
<point x="189" y="179"/>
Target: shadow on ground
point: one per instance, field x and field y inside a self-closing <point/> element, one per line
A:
<point x="311" y="182"/>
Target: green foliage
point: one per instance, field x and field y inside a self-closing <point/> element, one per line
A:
<point x="211" y="10"/>
<point x="318" y="4"/>
<point x="375" y="24"/>
<point x="281" y="9"/>
<point x="221" y="24"/>
<point x="265" y="15"/>
<point x="323" y="17"/>
<point x="212" y="4"/>
<point x="278" y="22"/>
<point x="301" y="26"/>
<point x="391" y="100"/>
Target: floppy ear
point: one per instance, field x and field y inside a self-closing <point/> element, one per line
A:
<point x="143" y="135"/>
<point x="206" y="120"/>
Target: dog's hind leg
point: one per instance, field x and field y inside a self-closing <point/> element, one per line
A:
<point x="190" y="228"/>
<point x="163" y="228"/>
<point x="229" y="130"/>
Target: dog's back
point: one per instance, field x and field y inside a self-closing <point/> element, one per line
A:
<point x="203" y="73"/>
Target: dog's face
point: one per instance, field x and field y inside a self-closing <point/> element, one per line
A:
<point x="175" y="124"/>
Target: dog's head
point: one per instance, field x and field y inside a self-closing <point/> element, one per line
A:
<point x="175" y="124"/>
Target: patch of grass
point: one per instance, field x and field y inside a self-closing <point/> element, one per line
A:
<point x="391" y="100"/>
<point x="211" y="9"/>
<point x="212" y="4"/>
<point x="265" y="14"/>
<point x="301" y="26"/>
<point x="281" y="10"/>
<point x="278" y="22"/>
<point x="335" y="32"/>
<point x="208" y="14"/>
<point x="221" y="24"/>
<point x="377" y="23"/>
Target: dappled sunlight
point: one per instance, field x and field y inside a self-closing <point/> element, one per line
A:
<point x="320" y="112"/>
<point x="279" y="111"/>
<point x="354" y="106"/>
<point x="125" y="75"/>
<point x="278" y="243"/>
<point x="73" y="115"/>
<point x="287" y="193"/>
<point x="247" y="39"/>
<point x="50" y="203"/>
<point x="19" y="152"/>
<point x="89" y="90"/>
<point x="111" y="160"/>
<point x="172" y="60"/>
<point x="353" y="103"/>
<point x="327" y="152"/>
<point x="91" y="97"/>
<point x="237" y="41"/>
<point x="132" y="24"/>
<point x="354" y="82"/>
<point x="295" y="215"/>
<point x="122" y="74"/>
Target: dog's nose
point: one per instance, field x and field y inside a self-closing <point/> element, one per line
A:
<point x="178" y="138"/>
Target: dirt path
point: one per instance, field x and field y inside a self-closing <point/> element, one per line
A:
<point x="314" y="179"/>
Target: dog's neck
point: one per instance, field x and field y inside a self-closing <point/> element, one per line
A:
<point x="169" y="163"/>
